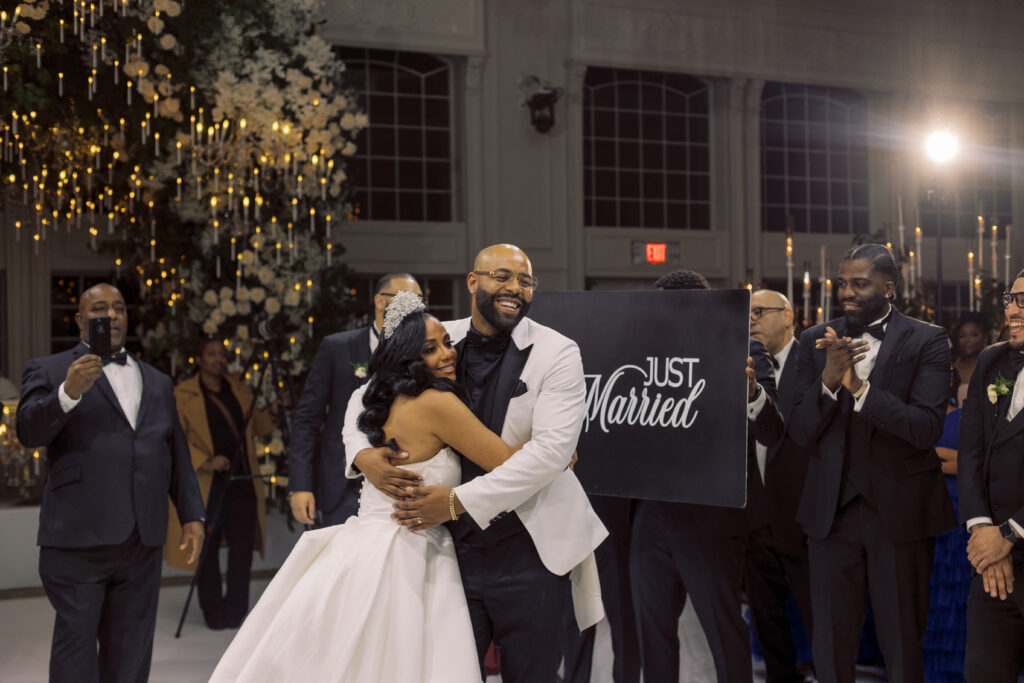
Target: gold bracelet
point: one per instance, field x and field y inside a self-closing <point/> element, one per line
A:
<point x="860" y="392"/>
<point x="451" y="504"/>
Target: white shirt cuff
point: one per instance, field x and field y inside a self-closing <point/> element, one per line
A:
<point x="977" y="520"/>
<point x="825" y="391"/>
<point x="1017" y="528"/>
<point x="858" y="403"/>
<point x="66" y="402"/>
<point x="754" y="407"/>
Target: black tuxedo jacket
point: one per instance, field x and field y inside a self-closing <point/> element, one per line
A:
<point x="105" y="478"/>
<point x="786" y="465"/>
<point x="330" y="383"/>
<point x="712" y="521"/>
<point x="990" y="462"/>
<point x="904" y="410"/>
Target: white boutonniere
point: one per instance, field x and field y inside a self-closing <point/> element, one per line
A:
<point x="359" y="370"/>
<point x="1001" y="387"/>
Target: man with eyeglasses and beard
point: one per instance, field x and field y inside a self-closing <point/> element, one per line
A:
<point x="871" y="403"/>
<point x="989" y="476"/>
<point x="340" y="366"/>
<point x="521" y="529"/>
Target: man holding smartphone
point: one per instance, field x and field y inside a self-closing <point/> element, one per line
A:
<point x="116" y="451"/>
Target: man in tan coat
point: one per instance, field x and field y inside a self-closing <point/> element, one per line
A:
<point x="212" y="406"/>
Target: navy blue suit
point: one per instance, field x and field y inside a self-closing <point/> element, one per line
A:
<point x="103" y="520"/>
<point x="330" y="383"/>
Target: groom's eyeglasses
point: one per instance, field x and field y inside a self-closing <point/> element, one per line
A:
<point x="1015" y="297"/>
<point x="501" y="276"/>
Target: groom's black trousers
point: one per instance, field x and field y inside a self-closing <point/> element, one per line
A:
<point x="516" y="602"/>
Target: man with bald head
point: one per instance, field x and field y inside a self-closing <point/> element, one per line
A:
<point x="521" y="529"/>
<point x="776" y="564"/>
<point x="316" y="475"/>
<point x="116" y="452"/>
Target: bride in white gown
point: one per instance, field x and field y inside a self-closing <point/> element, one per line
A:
<point x="370" y="600"/>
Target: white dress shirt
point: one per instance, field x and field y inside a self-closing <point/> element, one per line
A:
<point x="125" y="380"/>
<point x="374" y="337"/>
<point x="780" y="358"/>
<point x="866" y="365"/>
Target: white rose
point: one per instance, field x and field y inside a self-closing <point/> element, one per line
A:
<point x="248" y="257"/>
<point x="216" y="316"/>
<point x="362" y="120"/>
<point x="210" y="297"/>
<point x="348" y="121"/>
<point x="278" y="285"/>
<point x="272" y="306"/>
<point x="360" y="372"/>
<point x="209" y="327"/>
<point x="349" y="149"/>
<point x="257" y="294"/>
<point x="242" y="294"/>
<point x="227" y="307"/>
<point x="167" y="41"/>
<point x="291" y="298"/>
<point x="993" y="397"/>
<point x="244" y="308"/>
<point x="155" y="24"/>
<point x="277" y="447"/>
<point x="242" y="331"/>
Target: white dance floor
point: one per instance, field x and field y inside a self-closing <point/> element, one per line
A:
<point x="26" y="625"/>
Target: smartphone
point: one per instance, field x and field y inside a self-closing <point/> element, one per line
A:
<point x="99" y="336"/>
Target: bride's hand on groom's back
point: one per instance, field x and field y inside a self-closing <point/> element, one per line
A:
<point x="378" y="466"/>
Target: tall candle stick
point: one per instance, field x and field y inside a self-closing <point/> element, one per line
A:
<point x="807" y="297"/>
<point x="828" y="299"/>
<point x="899" y="225"/>
<point x="981" y="237"/>
<point x="995" y="261"/>
<point x="821" y="280"/>
<point x="970" y="280"/>
<point x="917" y="248"/>
<point x="789" y="269"/>
<point x="1009" y="229"/>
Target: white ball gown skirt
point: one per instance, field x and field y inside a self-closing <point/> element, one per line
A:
<point x="367" y="600"/>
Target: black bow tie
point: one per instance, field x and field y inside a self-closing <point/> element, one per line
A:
<point x="120" y="358"/>
<point x="877" y="330"/>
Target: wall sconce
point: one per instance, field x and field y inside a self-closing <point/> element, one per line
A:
<point x="540" y="98"/>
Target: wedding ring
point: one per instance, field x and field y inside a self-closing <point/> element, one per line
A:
<point x="419" y="520"/>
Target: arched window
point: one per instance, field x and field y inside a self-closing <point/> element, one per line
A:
<point x="404" y="169"/>
<point x="814" y="159"/>
<point x="645" y="150"/>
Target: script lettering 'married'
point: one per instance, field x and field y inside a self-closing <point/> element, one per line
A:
<point x="627" y="396"/>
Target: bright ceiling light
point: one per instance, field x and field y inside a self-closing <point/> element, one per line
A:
<point x="942" y="146"/>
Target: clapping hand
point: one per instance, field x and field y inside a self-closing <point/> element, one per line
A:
<point x="841" y="354"/>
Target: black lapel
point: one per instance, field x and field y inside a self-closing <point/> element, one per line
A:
<point x="787" y="381"/>
<point x="359" y="346"/>
<point x="1005" y="429"/>
<point x="512" y="364"/>
<point x="146" y="395"/>
<point x="896" y="332"/>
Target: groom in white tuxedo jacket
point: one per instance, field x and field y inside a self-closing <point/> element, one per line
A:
<point x="526" y="531"/>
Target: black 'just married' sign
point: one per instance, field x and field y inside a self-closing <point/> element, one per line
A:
<point x="666" y="391"/>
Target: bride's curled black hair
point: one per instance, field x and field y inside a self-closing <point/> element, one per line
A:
<point x="396" y="368"/>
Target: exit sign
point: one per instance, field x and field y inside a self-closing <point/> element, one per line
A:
<point x="645" y="253"/>
<point x="655" y="252"/>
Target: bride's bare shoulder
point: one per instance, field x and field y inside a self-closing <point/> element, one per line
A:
<point x="433" y="401"/>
